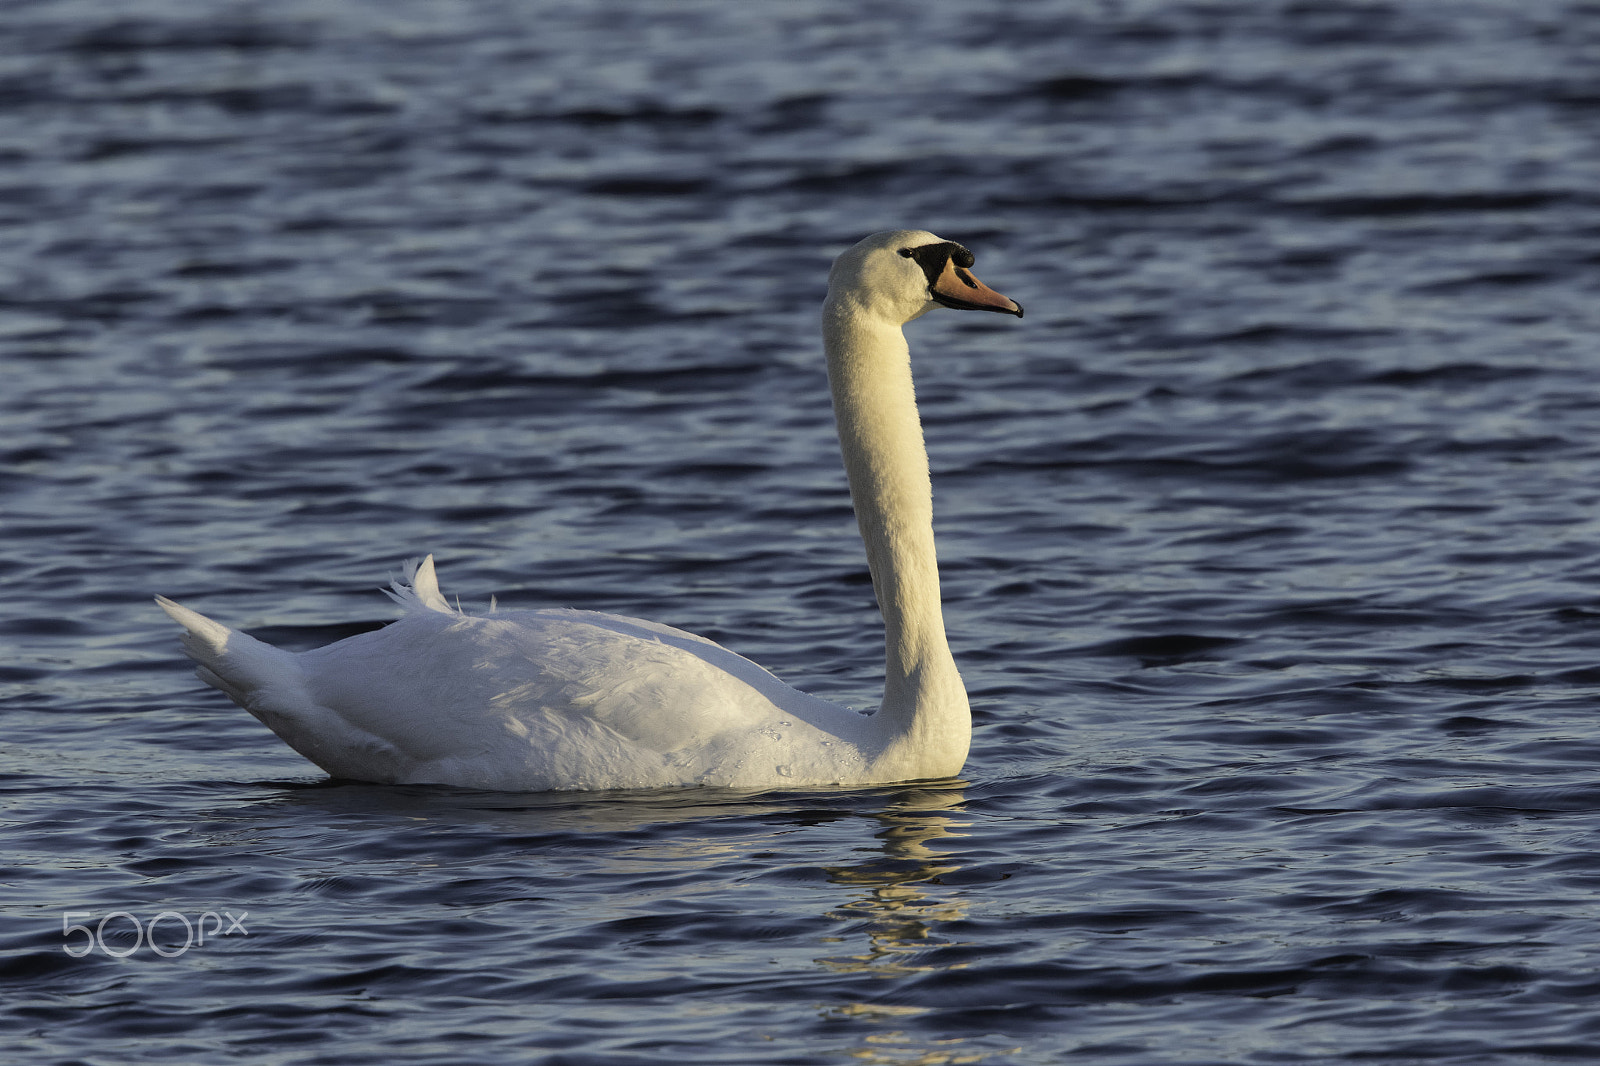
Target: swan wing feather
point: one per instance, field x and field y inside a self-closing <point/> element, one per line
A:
<point x="528" y="700"/>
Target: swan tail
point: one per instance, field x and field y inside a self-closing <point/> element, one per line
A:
<point x="233" y="662"/>
<point x="274" y="686"/>
<point x="418" y="590"/>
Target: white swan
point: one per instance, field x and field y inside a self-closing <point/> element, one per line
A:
<point x="562" y="699"/>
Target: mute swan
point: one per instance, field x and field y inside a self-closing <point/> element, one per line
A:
<point x="565" y="699"/>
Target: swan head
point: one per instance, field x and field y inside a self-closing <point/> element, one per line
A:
<point x="905" y="273"/>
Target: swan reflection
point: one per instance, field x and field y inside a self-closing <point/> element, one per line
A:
<point x="895" y="910"/>
<point x="897" y="907"/>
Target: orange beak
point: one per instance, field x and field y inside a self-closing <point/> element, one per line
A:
<point x="956" y="287"/>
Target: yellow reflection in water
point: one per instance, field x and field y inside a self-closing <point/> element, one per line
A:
<point x="898" y="908"/>
<point x="897" y="916"/>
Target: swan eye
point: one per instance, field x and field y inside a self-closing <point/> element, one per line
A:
<point x="906" y="252"/>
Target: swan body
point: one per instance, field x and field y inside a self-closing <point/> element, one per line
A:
<point x="566" y="699"/>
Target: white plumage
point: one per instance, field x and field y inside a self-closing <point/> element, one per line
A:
<point x="565" y="699"/>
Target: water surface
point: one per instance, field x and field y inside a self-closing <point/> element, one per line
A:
<point x="1269" y="536"/>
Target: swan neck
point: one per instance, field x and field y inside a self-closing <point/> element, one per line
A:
<point x="880" y="436"/>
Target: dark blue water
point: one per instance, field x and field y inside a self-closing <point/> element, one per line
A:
<point x="1270" y="537"/>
